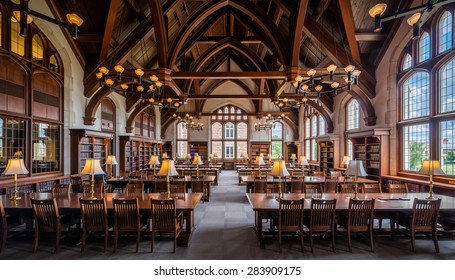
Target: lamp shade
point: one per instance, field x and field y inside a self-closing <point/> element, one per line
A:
<point x="303" y="160"/>
<point x="164" y="155"/>
<point x="260" y="160"/>
<point x="154" y="160"/>
<point x="92" y="166"/>
<point x="15" y="166"/>
<point x="261" y="155"/>
<point x="279" y="168"/>
<point x="355" y="168"/>
<point x="18" y="154"/>
<point x="293" y="156"/>
<point x="111" y="160"/>
<point x="269" y="156"/>
<point x="188" y="156"/>
<point x="197" y="160"/>
<point x="211" y="156"/>
<point x="346" y="160"/>
<point x="431" y="167"/>
<point x="168" y="168"/>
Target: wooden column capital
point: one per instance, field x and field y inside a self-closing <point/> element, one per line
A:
<point x="89" y="120"/>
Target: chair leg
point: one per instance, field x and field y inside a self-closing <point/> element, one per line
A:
<point x="435" y="240"/>
<point x="106" y="236"/>
<point x="333" y="240"/>
<point x="116" y="233"/>
<point x="301" y="239"/>
<point x="311" y="241"/>
<point x="138" y="239"/>
<point x="3" y="242"/>
<point x="371" y="240"/>
<point x="349" y="242"/>
<point x="84" y="236"/>
<point x="279" y="241"/>
<point x="175" y="242"/>
<point x="152" y="241"/>
<point x="57" y="241"/>
<point x="413" y="240"/>
<point x="35" y="247"/>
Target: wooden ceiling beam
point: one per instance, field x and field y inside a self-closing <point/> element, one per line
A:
<point x="296" y="23"/>
<point x="269" y="75"/>
<point x="90" y="38"/>
<point x="109" y="28"/>
<point x="323" y="5"/>
<point x="160" y="32"/>
<point x="215" y="39"/>
<point x="370" y="37"/>
<point x="133" y="7"/>
<point x="349" y="27"/>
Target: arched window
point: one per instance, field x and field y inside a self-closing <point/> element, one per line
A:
<point x="182" y="140"/>
<point x="229" y="133"/>
<point x="407" y="62"/>
<point x="321" y="125"/>
<point x="447" y="87"/>
<point x="314" y="126"/>
<point x="416" y="96"/>
<point x="352" y="115"/>
<point x="53" y="64"/>
<point x="37" y="49"/>
<point x="17" y="41"/>
<point x="445" y="32"/>
<point x="424" y="47"/>
<point x="307" y="138"/>
<point x="277" y="140"/>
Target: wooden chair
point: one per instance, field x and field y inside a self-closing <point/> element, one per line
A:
<point x="424" y="219"/>
<point x="398" y="188"/>
<point x="347" y="188"/>
<point x="76" y="184"/>
<point x="47" y="219"/>
<point x="260" y="185"/>
<point x="360" y="219"/>
<point x="178" y="185"/>
<point x="297" y="186"/>
<point x="3" y="227"/>
<point x="98" y="189"/>
<point x="198" y="186"/>
<point x="160" y="185"/>
<point x="335" y="174"/>
<point x="275" y="188"/>
<point x="61" y="189"/>
<point x="322" y="219"/>
<point x="165" y="219"/>
<point x="331" y="184"/>
<point x="126" y="219"/>
<point x="290" y="219"/>
<point x="94" y="219"/>
<point x="313" y="190"/>
<point x="134" y="188"/>
<point x="319" y="173"/>
<point x="371" y="188"/>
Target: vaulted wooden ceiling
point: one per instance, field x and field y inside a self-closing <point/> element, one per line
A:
<point x="187" y="41"/>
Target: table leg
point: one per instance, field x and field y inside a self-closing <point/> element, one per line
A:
<point x="258" y="227"/>
<point x="184" y="239"/>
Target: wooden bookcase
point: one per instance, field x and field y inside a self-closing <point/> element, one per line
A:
<point x="329" y="153"/>
<point x="200" y="148"/>
<point x="259" y="147"/>
<point x="372" y="147"/>
<point x="135" y="153"/>
<point x="89" y="144"/>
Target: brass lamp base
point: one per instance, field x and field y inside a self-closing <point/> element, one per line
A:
<point x="15" y="197"/>
<point x="431" y="197"/>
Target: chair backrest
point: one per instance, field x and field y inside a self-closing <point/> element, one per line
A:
<point x="126" y="213"/>
<point x="347" y="180"/>
<point x="425" y="214"/>
<point x="296" y="185"/>
<point x="46" y="214"/>
<point x="197" y="185"/>
<point x="160" y="184"/>
<point x="313" y="190"/>
<point x="260" y="185"/>
<point x="322" y="214"/>
<point x="274" y="187"/>
<point x="134" y="188"/>
<point x="319" y="173"/>
<point x="98" y="188"/>
<point x="61" y="189"/>
<point x="76" y="183"/>
<point x="398" y="188"/>
<point x="360" y="214"/>
<point x="163" y="214"/>
<point x="371" y="188"/>
<point x="335" y="173"/>
<point x="177" y="187"/>
<point x="94" y="214"/>
<point x="331" y="184"/>
<point x="347" y="188"/>
<point x="291" y="213"/>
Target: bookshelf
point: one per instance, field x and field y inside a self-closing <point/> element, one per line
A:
<point x="329" y="153"/>
<point x="259" y="147"/>
<point x="89" y="144"/>
<point x="135" y="153"/>
<point x="200" y="148"/>
<point x="372" y="147"/>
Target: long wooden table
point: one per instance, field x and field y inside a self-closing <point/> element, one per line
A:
<point x="266" y="204"/>
<point x="249" y="180"/>
<point x="185" y="203"/>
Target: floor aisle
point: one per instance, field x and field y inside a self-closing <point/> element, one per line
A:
<point x="224" y="231"/>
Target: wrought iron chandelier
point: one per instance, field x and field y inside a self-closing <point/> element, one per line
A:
<point x="285" y="102"/>
<point x="263" y="125"/>
<point x="188" y="122"/>
<point x="270" y="118"/>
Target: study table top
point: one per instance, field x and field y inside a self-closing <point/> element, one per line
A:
<point x="307" y="179"/>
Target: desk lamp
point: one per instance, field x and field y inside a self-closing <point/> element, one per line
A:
<point x="303" y="162"/>
<point x="197" y="161"/>
<point x="259" y="162"/>
<point x="15" y="166"/>
<point x="168" y="169"/>
<point x="355" y="168"/>
<point x="154" y="160"/>
<point x="431" y="167"/>
<point x="345" y="161"/>
<point x="92" y="167"/>
<point x="279" y="169"/>
<point x="111" y="160"/>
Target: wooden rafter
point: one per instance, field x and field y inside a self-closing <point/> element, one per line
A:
<point x="295" y="26"/>
<point x="109" y="28"/>
<point x="160" y="32"/>
<point x="349" y="26"/>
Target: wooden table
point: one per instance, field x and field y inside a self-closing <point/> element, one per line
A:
<point x="149" y="182"/>
<point x="265" y="204"/>
<point x="185" y="203"/>
<point x="249" y="180"/>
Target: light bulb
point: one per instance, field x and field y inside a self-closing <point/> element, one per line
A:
<point x="334" y="85"/>
<point x="139" y="72"/>
<point x="318" y="88"/>
<point x="124" y="86"/>
<point x="99" y="75"/>
<point x="151" y="87"/>
<point x="119" y="68"/>
<point x="109" y="82"/>
<point x="153" y="78"/>
<point x="377" y="9"/>
<point x="311" y="72"/>
<point x="152" y="100"/>
<point x="331" y="68"/>
<point x="304" y="87"/>
<point x="298" y="78"/>
<point x="413" y="19"/>
<point x="356" y="73"/>
<point x="140" y="88"/>
<point x="103" y="70"/>
<point x="349" y="68"/>
<point x="169" y="100"/>
<point x="159" y="84"/>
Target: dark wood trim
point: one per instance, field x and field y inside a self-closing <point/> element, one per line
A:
<point x="109" y="28"/>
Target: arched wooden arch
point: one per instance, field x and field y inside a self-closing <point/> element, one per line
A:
<point x="218" y="83"/>
<point x="18" y="74"/>
<point x="92" y="106"/>
<point x="110" y="124"/>
<point x="324" y="114"/>
<point x="257" y="15"/>
<point x="139" y="109"/>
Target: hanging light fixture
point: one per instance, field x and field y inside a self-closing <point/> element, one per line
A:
<point x="188" y="122"/>
<point x="23" y="15"/>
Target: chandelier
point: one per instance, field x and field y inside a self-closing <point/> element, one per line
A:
<point x="263" y="125"/>
<point x="271" y="118"/>
<point x="290" y="103"/>
<point x="188" y="122"/>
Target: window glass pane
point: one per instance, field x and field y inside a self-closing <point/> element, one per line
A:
<point x="229" y="149"/>
<point x="277" y="149"/>
<point x="45" y="148"/>
<point x="314" y="152"/>
<point x="447" y="146"/>
<point x="182" y="131"/>
<point x="37" y="49"/>
<point x="229" y="131"/>
<point x="307" y="149"/>
<point x="447" y="87"/>
<point x="314" y="126"/>
<point x="217" y="148"/>
<point x="242" y="131"/>
<point x="277" y="131"/>
<point x="217" y="131"/>
<point x="416" y="146"/>
<point x="53" y="64"/>
<point x="232" y="110"/>
<point x="321" y="125"/>
<point x="424" y="47"/>
<point x="226" y="110"/>
<point x="353" y="115"/>
<point x="307" y="128"/>
<point x="242" y="147"/>
<point x="445" y="32"/>
<point x="416" y="96"/>
<point x="407" y="62"/>
<point x="17" y="41"/>
<point x="12" y="140"/>
<point x="182" y="148"/>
